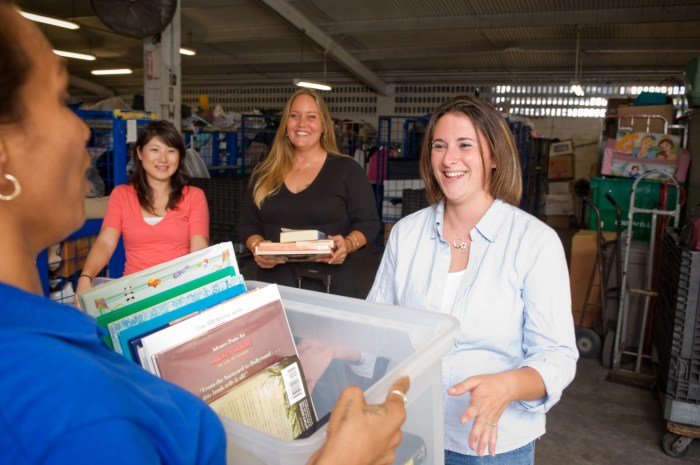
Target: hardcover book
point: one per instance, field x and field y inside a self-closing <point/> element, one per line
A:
<point x="198" y="297"/>
<point x="156" y="299"/>
<point x="287" y="412"/>
<point x="232" y="364"/>
<point x="300" y="251"/>
<point x="294" y="235"/>
<point x="127" y="335"/>
<point x="135" y="287"/>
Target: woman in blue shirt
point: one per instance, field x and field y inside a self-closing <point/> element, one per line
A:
<point x="64" y="397"/>
<point x="500" y="271"/>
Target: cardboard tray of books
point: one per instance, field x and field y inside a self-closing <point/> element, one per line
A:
<point x="373" y="345"/>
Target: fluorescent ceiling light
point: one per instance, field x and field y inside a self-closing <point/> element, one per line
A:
<point x="312" y="84"/>
<point x="187" y="51"/>
<point x="104" y="72"/>
<point x="79" y="56"/>
<point x="577" y="89"/>
<point x="51" y="21"/>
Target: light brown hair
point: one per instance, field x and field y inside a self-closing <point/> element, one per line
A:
<point x="505" y="181"/>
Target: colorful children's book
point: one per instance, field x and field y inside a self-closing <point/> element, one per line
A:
<point x="193" y="297"/>
<point x="135" y="287"/>
<point x="127" y="335"/>
<point x="156" y="299"/>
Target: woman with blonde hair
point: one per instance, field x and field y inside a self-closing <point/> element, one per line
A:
<point x="304" y="183"/>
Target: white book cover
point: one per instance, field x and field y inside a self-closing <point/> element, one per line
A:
<point x="135" y="287"/>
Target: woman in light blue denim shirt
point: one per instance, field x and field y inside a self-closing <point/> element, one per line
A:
<point x="500" y="271"/>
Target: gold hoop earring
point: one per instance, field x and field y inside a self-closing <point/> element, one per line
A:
<point x="16" y="192"/>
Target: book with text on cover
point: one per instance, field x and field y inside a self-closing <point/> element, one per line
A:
<point x="300" y="251"/>
<point x="294" y="235"/>
<point x="230" y="354"/>
<point x="286" y="411"/>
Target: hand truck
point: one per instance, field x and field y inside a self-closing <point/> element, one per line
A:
<point x="620" y="344"/>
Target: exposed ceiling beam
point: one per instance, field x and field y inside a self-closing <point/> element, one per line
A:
<point x="89" y="86"/>
<point x="257" y="32"/>
<point x="649" y="15"/>
<point x="689" y="46"/>
<point x="331" y="47"/>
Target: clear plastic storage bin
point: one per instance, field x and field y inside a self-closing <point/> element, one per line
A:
<point x="404" y="341"/>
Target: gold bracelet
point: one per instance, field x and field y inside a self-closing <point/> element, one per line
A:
<point x="350" y="249"/>
<point x="86" y="276"/>
<point x="357" y="242"/>
<point x="254" y="245"/>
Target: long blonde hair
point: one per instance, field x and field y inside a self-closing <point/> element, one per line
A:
<point x="506" y="179"/>
<point x="269" y="174"/>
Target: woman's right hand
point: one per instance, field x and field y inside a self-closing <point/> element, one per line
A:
<point x="364" y="434"/>
<point x="84" y="283"/>
<point x="265" y="261"/>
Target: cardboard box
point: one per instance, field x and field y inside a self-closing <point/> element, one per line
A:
<point x="583" y="255"/>
<point x="561" y="167"/>
<point x="561" y="148"/>
<point x="560" y="187"/>
<point x="74" y="252"/>
<point x="558" y="204"/>
<point x="387" y="231"/>
<point x="640" y="123"/>
<point x="407" y="342"/>
<point x="559" y="221"/>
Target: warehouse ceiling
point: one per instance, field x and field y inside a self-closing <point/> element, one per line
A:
<point x="383" y="42"/>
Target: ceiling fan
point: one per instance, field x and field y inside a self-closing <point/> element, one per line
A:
<point x="135" y="18"/>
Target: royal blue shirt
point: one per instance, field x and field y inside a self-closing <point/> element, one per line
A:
<point x="65" y="398"/>
<point x="513" y="303"/>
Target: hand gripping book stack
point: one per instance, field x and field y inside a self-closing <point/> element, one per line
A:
<point x="160" y="282"/>
<point x="305" y="245"/>
<point x="234" y="356"/>
<point x="132" y="305"/>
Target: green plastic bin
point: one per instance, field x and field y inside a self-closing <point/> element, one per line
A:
<point x="620" y="188"/>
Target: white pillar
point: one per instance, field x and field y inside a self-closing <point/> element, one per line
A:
<point x="162" y="73"/>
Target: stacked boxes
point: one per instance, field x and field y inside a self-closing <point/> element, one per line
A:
<point x="559" y="202"/>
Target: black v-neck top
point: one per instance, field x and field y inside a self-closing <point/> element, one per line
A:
<point x="339" y="200"/>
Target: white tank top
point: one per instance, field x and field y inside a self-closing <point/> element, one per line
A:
<point x="154" y="220"/>
<point x="451" y="286"/>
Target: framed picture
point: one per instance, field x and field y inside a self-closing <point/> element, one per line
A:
<point x="561" y="148"/>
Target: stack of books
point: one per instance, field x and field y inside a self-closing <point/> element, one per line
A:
<point x="192" y="321"/>
<point x="298" y="246"/>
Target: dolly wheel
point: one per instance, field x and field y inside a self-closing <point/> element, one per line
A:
<point x="587" y="342"/>
<point x="606" y="358"/>
<point x="674" y="445"/>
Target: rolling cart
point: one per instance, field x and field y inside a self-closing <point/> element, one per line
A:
<point x="588" y="340"/>
<point x="677" y="342"/>
<point x="621" y="346"/>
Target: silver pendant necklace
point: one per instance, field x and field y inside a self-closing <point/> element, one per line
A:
<point x="462" y="244"/>
<point x="458" y="243"/>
